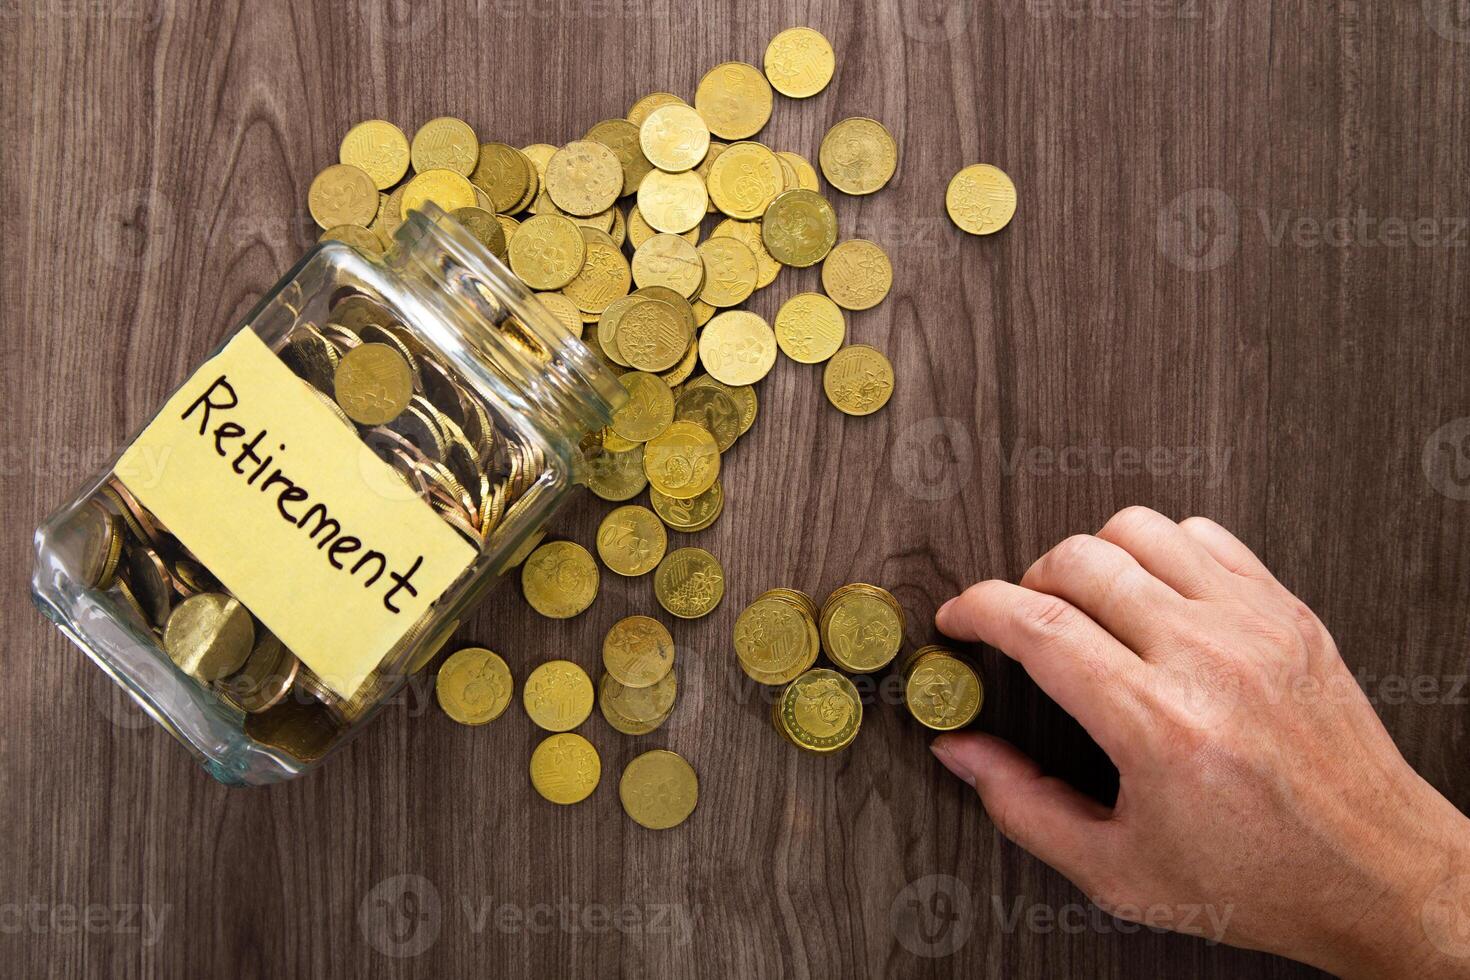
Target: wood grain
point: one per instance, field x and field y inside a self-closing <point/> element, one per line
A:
<point x="155" y="167"/>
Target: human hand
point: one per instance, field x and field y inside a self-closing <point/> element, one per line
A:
<point x="1256" y="781"/>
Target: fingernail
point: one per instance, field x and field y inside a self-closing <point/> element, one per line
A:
<point x="940" y="613"/>
<point x="942" y="752"/>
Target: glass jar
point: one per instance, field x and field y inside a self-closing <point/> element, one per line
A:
<point x="228" y="598"/>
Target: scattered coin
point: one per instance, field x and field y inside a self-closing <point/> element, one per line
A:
<point x="737" y="347"/>
<point x="377" y="148"/>
<point x="980" y="199"/>
<point x="638" y="652"/>
<point x="858" y="380"/>
<point x="674" y="138"/>
<point x="799" y="62"/>
<point x="659" y="790"/>
<point x="649" y="409"/>
<point x="689" y="583"/>
<point x="799" y="228"/>
<point x="473" y="686"/>
<point x="735" y="100"/>
<point x="810" y="328"/>
<point x="445" y="143"/>
<point x="631" y="540"/>
<point x="558" y="695"/>
<point x="342" y="195"/>
<point x="858" y="155"/>
<point x="565" y="768"/>
<point x="820" y="711"/>
<point x="683" y="461"/>
<point x="559" y="579"/>
<point x="694" y="514"/>
<point x="857" y="274"/>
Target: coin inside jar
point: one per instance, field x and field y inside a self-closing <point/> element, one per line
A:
<point x="373" y="384"/>
<point x="209" y="635"/>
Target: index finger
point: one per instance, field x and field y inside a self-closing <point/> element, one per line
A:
<point x="1075" y="661"/>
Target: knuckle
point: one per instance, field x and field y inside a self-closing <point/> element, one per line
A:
<point x="1131" y="520"/>
<point x="1047" y="617"/>
<point x="1072" y="553"/>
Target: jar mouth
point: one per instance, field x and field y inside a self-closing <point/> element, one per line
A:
<point x="503" y="320"/>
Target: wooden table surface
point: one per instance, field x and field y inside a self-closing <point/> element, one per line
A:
<point x="1235" y="286"/>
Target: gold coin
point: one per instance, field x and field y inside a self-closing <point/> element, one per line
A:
<point x="799" y="62"/>
<point x="737" y="347"/>
<point x="604" y="275"/>
<point x="799" y="228"/>
<point x="265" y="680"/>
<point x="674" y="138"/>
<point x="640" y="231"/>
<point x="680" y="372"/>
<point x="675" y="302"/>
<point x="638" y="652"/>
<point x="445" y="143"/>
<point x="617" y="476"/>
<point x="547" y="251"/>
<point x="504" y="174"/>
<point x="559" y="579"/>
<point x="862" y="628"/>
<point x="749" y="233"/>
<point x="745" y="179"/>
<point x="689" y="582"/>
<point x="639" y="704"/>
<point x="565" y="769"/>
<point x="980" y="199"/>
<point x="646" y="105"/>
<point x="651" y="336"/>
<point x="447" y="189"/>
<point x="558" y="695"/>
<point x="694" y="514"/>
<point x="810" y="328"/>
<point x="735" y="100"/>
<point x="683" y="461"/>
<point x="942" y="691"/>
<point x="714" y="409"/>
<point x="564" y="310"/>
<point x="858" y="380"/>
<point x="649" y="409"/>
<point x="473" y="686"/>
<point x="627" y="726"/>
<point x="360" y="238"/>
<point x="669" y="260"/>
<point x="485" y="227"/>
<point x="774" y="639"/>
<point x="821" y="711"/>
<point x="631" y="540"/>
<point x="377" y="148"/>
<point x="858" y="155"/>
<point x="342" y="195"/>
<point x="674" y="203"/>
<point x="621" y="136"/>
<point x="373" y="384"/>
<point x="744" y="396"/>
<point x="659" y="790"/>
<point x="102" y="545"/>
<point x="209" y="636"/>
<point x="857" y="274"/>
<point x="806" y="174"/>
<point x="730" y="272"/>
<point x="584" y="178"/>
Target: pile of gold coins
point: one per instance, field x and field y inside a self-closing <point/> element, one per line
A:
<point x="860" y="627"/>
<point x="659" y="300"/>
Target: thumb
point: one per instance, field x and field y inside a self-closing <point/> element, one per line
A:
<point x="1069" y="831"/>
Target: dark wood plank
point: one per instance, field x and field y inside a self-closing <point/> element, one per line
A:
<point x="1158" y="326"/>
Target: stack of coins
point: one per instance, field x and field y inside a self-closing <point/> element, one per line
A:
<point x="637" y="689"/>
<point x="820" y="711"/>
<point x="941" y="690"/>
<point x="862" y="628"/>
<point x="776" y="636"/>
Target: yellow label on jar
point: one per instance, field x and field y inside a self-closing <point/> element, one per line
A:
<point x="321" y="540"/>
